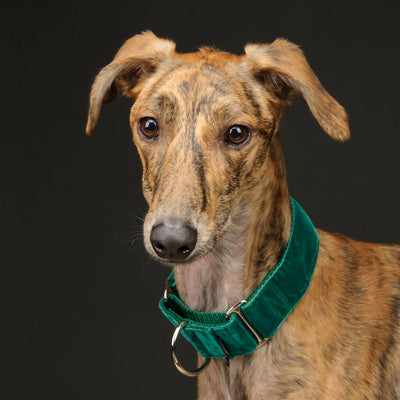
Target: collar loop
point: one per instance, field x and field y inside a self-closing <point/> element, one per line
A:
<point x="250" y="323"/>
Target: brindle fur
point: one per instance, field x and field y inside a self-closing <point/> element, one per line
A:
<point x="342" y="340"/>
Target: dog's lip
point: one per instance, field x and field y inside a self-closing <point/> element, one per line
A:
<point x="197" y="260"/>
<point x="191" y="259"/>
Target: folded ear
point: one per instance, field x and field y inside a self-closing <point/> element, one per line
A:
<point x="284" y="69"/>
<point x="135" y="60"/>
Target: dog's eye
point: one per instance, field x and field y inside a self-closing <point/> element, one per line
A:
<point x="237" y="135"/>
<point x="148" y="127"/>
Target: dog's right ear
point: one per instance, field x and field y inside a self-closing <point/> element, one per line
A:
<point x="135" y="60"/>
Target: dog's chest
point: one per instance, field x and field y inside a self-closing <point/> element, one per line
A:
<point x="268" y="373"/>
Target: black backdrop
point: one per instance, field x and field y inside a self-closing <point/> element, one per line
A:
<point x="79" y="300"/>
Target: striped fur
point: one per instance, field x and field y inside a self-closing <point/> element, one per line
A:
<point x="342" y="340"/>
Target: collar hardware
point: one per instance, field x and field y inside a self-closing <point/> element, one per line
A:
<point x="236" y="309"/>
<point x="167" y="290"/>
<point x="175" y="360"/>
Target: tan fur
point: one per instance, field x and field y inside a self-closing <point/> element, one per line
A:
<point x="342" y="340"/>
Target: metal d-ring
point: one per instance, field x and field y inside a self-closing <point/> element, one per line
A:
<point x="175" y="360"/>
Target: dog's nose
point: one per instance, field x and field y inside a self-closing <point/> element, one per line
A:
<point x="173" y="240"/>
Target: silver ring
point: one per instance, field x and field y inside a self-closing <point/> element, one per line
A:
<point x="175" y="360"/>
<point x="167" y="290"/>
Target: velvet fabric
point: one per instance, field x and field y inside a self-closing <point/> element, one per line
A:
<point x="215" y="336"/>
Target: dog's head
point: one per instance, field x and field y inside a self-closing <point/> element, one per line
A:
<point x="203" y="123"/>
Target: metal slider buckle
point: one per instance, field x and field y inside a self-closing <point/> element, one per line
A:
<point x="236" y="309"/>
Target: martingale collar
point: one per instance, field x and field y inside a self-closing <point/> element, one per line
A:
<point x="253" y="321"/>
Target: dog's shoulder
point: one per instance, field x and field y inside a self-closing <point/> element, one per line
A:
<point x="350" y="252"/>
<point x="363" y="275"/>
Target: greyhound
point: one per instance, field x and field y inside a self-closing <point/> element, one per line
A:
<point x="206" y="126"/>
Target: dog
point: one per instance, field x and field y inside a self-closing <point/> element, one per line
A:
<point x="206" y="128"/>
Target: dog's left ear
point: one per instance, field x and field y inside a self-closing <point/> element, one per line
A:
<point x="137" y="59"/>
<point x="284" y="69"/>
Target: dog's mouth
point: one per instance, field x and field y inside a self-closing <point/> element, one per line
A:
<point x="173" y="241"/>
<point x="180" y="255"/>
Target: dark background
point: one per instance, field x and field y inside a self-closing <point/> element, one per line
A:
<point x="79" y="300"/>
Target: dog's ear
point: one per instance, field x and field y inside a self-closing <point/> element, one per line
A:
<point x="135" y="60"/>
<point x="284" y="69"/>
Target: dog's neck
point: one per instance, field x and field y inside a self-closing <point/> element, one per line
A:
<point x="258" y="231"/>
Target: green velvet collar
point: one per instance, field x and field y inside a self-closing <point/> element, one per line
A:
<point x="251" y="322"/>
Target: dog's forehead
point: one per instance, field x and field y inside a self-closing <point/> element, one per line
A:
<point x="204" y="76"/>
<point x="189" y="80"/>
<point x="198" y="86"/>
